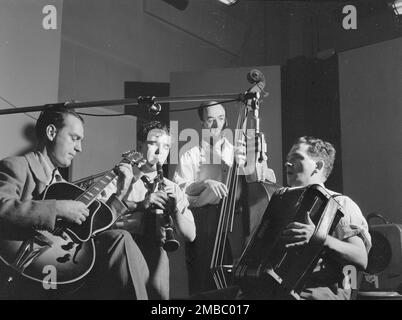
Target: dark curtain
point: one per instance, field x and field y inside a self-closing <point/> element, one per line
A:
<point x="310" y="106"/>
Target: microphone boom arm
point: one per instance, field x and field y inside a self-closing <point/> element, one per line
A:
<point x="130" y="102"/>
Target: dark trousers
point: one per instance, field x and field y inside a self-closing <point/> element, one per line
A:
<point x="120" y="272"/>
<point x="199" y="252"/>
<point x="158" y="265"/>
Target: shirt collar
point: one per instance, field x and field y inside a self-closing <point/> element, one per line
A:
<point x="47" y="165"/>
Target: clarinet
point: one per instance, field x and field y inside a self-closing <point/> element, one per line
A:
<point x="168" y="241"/>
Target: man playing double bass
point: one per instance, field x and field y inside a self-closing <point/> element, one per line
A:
<point x="201" y="173"/>
<point x="120" y="271"/>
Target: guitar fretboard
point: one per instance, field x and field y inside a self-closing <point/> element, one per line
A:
<point x="92" y="192"/>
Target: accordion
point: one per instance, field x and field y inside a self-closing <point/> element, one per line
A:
<point x="268" y="270"/>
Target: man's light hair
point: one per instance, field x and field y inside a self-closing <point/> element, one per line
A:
<point x="321" y="150"/>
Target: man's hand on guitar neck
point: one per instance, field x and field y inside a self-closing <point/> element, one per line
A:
<point x="124" y="181"/>
<point x="71" y="211"/>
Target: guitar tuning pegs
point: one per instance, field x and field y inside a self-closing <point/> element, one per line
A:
<point x="128" y="153"/>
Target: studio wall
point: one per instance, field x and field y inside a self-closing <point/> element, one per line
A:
<point x="370" y="80"/>
<point x="29" y="67"/>
<point x="105" y="43"/>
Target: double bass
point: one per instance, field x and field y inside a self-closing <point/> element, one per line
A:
<point x="257" y="192"/>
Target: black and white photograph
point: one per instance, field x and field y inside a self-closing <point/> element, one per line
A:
<point x="200" y="154"/>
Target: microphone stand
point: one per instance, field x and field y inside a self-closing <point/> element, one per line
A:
<point x="134" y="102"/>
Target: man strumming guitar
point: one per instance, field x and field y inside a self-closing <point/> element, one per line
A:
<point x="120" y="270"/>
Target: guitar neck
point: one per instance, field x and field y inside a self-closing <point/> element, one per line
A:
<point x="95" y="190"/>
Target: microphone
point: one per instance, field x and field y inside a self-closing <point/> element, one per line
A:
<point x="155" y="109"/>
<point x="255" y="76"/>
<point x="149" y="102"/>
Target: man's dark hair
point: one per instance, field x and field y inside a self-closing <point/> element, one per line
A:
<point x="205" y="105"/>
<point x="321" y="150"/>
<point x="55" y="116"/>
<point x="145" y="127"/>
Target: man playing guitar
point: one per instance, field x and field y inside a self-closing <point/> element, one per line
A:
<point x="119" y="270"/>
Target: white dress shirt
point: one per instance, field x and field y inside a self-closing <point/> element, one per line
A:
<point x="204" y="162"/>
